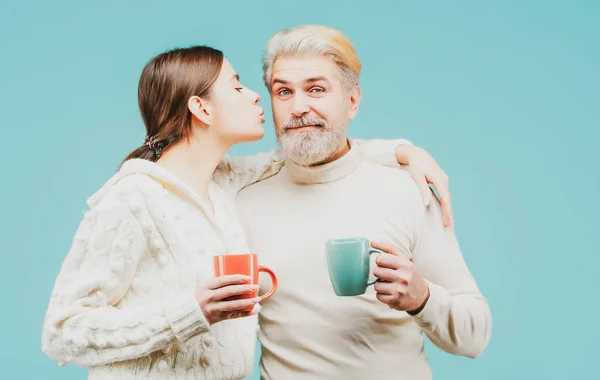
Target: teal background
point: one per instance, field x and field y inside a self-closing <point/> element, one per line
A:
<point x="504" y="95"/>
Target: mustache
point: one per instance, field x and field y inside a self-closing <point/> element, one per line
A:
<point x="299" y="122"/>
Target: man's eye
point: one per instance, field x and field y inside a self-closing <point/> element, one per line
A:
<point x="284" y="92"/>
<point x="316" y="89"/>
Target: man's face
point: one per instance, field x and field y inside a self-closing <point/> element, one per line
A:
<point x="311" y="108"/>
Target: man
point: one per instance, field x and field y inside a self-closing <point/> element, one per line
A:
<point x="327" y="190"/>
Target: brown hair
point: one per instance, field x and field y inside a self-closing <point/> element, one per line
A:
<point x="166" y="84"/>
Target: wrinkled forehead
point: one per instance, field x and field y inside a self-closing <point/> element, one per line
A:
<point x="301" y="69"/>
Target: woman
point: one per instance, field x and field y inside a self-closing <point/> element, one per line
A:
<point x="136" y="297"/>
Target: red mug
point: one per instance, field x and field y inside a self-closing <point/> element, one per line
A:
<point x="245" y="264"/>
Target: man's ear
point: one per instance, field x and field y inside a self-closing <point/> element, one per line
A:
<point x="354" y="102"/>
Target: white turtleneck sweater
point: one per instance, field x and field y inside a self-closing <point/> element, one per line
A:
<point x="309" y="333"/>
<point x="123" y="303"/>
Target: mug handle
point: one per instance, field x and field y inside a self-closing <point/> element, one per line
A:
<point x="372" y="251"/>
<point x="273" y="280"/>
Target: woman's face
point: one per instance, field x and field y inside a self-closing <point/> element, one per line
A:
<point x="236" y="115"/>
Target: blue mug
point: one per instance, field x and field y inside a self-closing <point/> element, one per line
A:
<point x="348" y="264"/>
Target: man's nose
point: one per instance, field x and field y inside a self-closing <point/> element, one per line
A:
<point x="300" y="106"/>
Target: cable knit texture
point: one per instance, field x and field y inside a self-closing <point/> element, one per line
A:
<point x="123" y="303"/>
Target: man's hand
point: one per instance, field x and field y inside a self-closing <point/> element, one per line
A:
<point x="425" y="170"/>
<point x="401" y="286"/>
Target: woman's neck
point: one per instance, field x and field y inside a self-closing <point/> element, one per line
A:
<point x="194" y="162"/>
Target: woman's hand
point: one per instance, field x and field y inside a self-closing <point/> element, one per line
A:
<point x="214" y="298"/>
<point x="425" y="170"/>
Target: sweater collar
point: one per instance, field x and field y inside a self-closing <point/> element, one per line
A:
<point x="151" y="169"/>
<point x="329" y="172"/>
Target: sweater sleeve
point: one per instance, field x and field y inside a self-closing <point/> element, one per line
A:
<point x="236" y="172"/>
<point x="85" y="322"/>
<point x="456" y="316"/>
<point x="378" y="151"/>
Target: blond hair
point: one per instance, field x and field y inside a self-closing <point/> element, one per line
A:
<point x="307" y="40"/>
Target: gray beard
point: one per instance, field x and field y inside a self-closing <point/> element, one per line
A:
<point x="311" y="148"/>
<point x="314" y="147"/>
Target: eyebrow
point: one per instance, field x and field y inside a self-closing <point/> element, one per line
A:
<point x="308" y="80"/>
<point x="316" y="79"/>
<point x="235" y="77"/>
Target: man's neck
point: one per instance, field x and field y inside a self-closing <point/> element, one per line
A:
<point x="339" y="153"/>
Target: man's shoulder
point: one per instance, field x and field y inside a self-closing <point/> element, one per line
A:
<point x="261" y="188"/>
<point x="399" y="175"/>
<point x="396" y="180"/>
